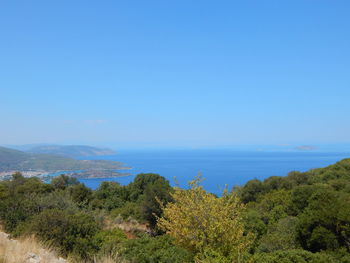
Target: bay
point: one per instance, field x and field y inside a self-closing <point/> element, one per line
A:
<point x="218" y="167"/>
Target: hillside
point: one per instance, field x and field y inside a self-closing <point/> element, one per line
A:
<point x="303" y="217"/>
<point x="71" y="150"/>
<point x="14" y="160"/>
<point x="300" y="218"/>
<point x="10" y="158"/>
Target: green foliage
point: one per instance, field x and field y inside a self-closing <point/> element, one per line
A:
<point x="339" y="170"/>
<point x="154" y="195"/>
<point x="139" y="200"/>
<point x="253" y="223"/>
<point x="129" y="210"/>
<point x="58" y="199"/>
<point x="16" y="210"/>
<point x="300" y="197"/>
<point x="280" y="236"/>
<point x="340" y="185"/>
<point x="317" y="200"/>
<point x="324" y="224"/>
<point x="34" y="185"/>
<point x="274" y="205"/>
<point x="71" y="233"/>
<point x="141" y="183"/>
<point x="63" y="181"/>
<point x="202" y="222"/>
<point x="4" y="191"/>
<point x="160" y="249"/>
<point x="19" y="200"/>
<point x="109" y="241"/>
<point x="295" y="179"/>
<point x="109" y="195"/>
<point x="80" y="194"/>
<point x="251" y="190"/>
<point x="303" y="217"/>
<point x="293" y="256"/>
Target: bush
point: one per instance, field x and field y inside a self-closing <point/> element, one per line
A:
<point x="202" y="222"/>
<point x="324" y="224"/>
<point x="71" y="233"/>
<point x="129" y="210"/>
<point x="160" y="249"/>
<point x="108" y="241"/>
<point x="63" y="181"/>
<point x="109" y="195"/>
<point x="15" y="210"/>
<point x="293" y="256"/>
<point x="280" y="236"/>
<point x="80" y="194"/>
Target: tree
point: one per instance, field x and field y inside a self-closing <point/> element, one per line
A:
<point x="110" y="195"/>
<point x="275" y="205"/>
<point x="209" y="226"/>
<point x="140" y="184"/>
<point x="80" y="194"/>
<point x="294" y="256"/>
<point x="324" y="224"/>
<point x="63" y="181"/>
<point x="251" y="190"/>
<point x="154" y="194"/>
<point x="280" y="236"/>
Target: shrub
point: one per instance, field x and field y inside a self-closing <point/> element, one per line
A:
<point x="108" y="241"/>
<point x="201" y="222"/>
<point x="71" y="233"/>
<point x="293" y="256"/>
<point x="62" y="181"/>
<point x="160" y="249"/>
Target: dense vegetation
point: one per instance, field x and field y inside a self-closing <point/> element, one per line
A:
<point x="303" y="217"/>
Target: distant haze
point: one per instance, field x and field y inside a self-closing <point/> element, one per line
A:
<point x="192" y="74"/>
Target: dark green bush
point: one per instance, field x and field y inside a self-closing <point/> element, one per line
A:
<point x="128" y="210"/>
<point x="160" y="249"/>
<point x="108" y="241"/>
<point x="69" y="232"/>
<point x="17" y="209"/>
<point x="80" y="194"/>
<point x="63" y="181"/>
<point x="293" y="256"/>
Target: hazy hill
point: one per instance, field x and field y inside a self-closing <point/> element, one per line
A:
<point x="21" y="161"/>
<point x="10" y="158"/>
<point x="71" y="150"/>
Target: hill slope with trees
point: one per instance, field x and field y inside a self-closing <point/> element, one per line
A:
<point x="299" y="218"/>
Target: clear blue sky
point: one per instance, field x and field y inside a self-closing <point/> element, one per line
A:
<point x="175" y="73"/>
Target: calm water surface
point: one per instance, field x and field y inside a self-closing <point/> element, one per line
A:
<point x="218" y="167"/>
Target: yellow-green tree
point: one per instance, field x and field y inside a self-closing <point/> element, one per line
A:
<point x="209" y="226"/>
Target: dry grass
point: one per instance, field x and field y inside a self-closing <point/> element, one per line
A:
<point x="128" y="226"/>
<point x="22" y="251"/>
<point x="109" y="259"/>
<point x="25" y="250"/>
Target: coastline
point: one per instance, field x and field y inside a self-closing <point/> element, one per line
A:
<point x="81" y="174"/>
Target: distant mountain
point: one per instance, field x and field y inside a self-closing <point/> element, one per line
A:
<point x="14" y="160"/>
<point x="10" y="158"/>
<point x="71" y="150"/>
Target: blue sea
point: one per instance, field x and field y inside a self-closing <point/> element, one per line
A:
<point x="218" y="167"/>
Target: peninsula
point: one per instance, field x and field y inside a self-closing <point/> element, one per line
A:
<point x="41" y="165"/>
